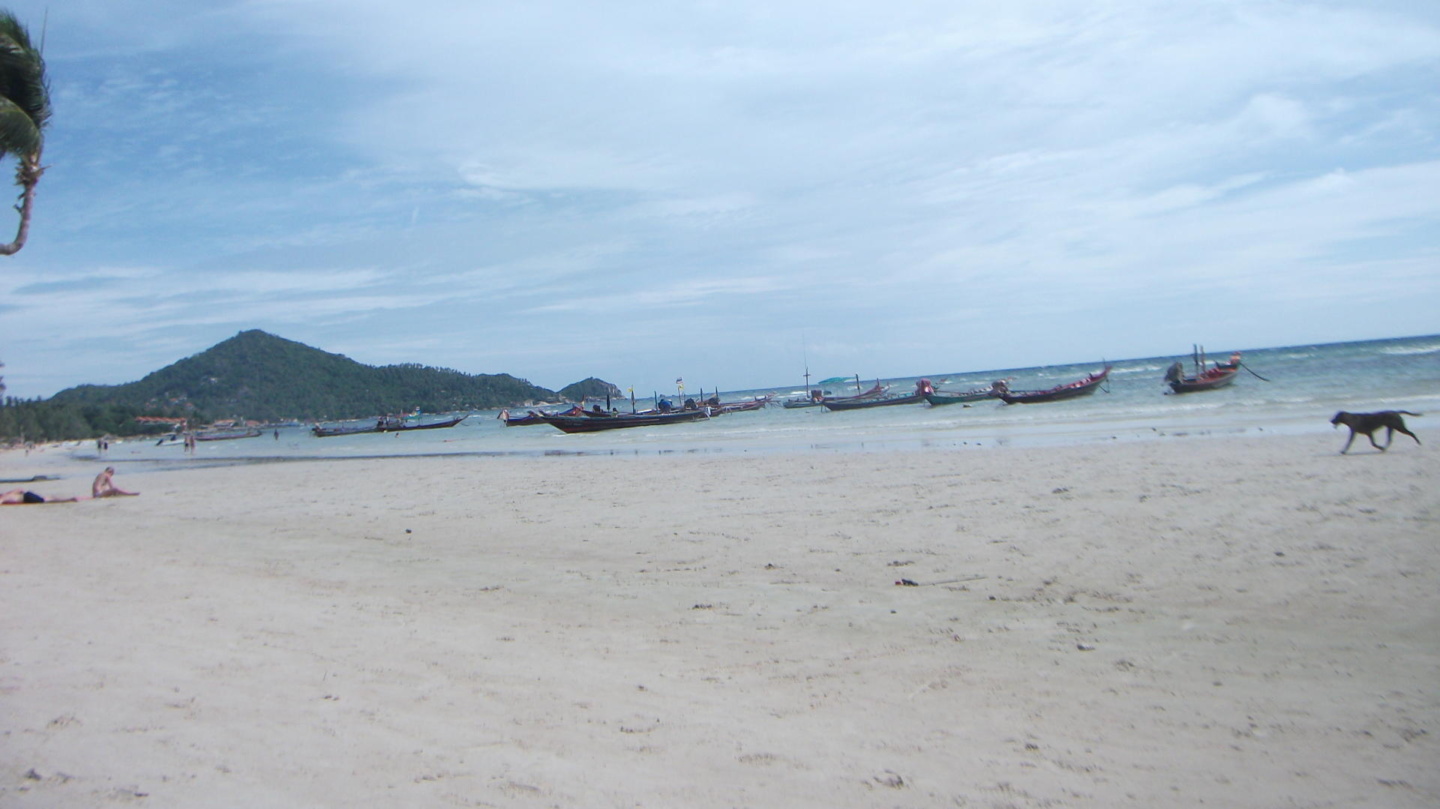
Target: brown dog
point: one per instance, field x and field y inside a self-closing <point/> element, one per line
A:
<point x="1368" y="423"/>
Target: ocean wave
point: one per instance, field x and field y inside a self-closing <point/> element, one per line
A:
<point x="1143" y="369"/>
<point x="1405" y="351"/>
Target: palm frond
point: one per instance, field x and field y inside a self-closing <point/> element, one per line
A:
<point x="22" y="71"/>
<point x="11" y="28"/>
<point x="18" y="132"/>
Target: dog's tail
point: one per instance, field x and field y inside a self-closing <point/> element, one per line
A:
<point x="1408" y="413"/>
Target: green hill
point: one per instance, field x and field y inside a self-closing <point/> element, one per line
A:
<point x="256" y="375"/>
<point x="591" y="388"/>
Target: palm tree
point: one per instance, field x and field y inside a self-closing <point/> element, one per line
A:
<point x="24" y="112"/>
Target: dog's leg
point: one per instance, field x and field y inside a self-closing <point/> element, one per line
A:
<point x="1348" y="441"/>
<point x="1407" y="432"/>
<point x="1373" y="443"/>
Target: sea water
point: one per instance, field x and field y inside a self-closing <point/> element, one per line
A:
<point x="1303" y="387"/>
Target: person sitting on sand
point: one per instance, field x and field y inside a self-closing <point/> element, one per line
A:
<point x="105" y="487"/>
<point x="21" y="497"/>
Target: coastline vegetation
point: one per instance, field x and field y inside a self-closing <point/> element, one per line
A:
<point x="258" y="376"/>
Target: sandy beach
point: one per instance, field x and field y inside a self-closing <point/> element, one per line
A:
<point x="1237" y="622"/>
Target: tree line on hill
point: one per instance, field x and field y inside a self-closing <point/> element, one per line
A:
<point x="261" y="377"/>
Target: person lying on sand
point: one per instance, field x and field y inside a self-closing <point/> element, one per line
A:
<point x="22" y="497"/>
<point x="105" y="487"/>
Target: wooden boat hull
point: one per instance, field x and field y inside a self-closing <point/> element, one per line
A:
<point x="330" y="432"/>
<point x="743" y="407"/>
<point x="438" y="425"/>
<point x="940" y="398"/>
<point x="227" y="436"/>
<point x="862" y="404"/>
<point x="524" y="421"/>
<point x="870" y="395"/>
<point x="590" y="424"/>
<point x="1213" y="379"/>
<point x="1219" y="376"/>
<point x="1073" y="390"/>
<point x="534" y="417"/>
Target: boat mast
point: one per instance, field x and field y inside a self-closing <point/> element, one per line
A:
<point x="805" y="355"/>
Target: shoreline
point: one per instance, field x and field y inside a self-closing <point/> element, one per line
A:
<point x="1245" y="621"/>
<point x="63" y="459"/>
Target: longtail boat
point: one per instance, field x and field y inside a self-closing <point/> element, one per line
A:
<point x="758" y="403"/>
<point x="534" y="417"/>
<point x="862" y="404"/>
<point x="227" y="436"/>
<point x="590" y="424"/>
<point x="1203" y="379"/>
<point x="858" y="403"/>
<point x="386" y="424"/>
<point x="1070" y="390"/>
<point x="810" y="399"/>
<point x="942" y="397"/>
<point x="529" y="419"/>
<point x="875" y="392"/>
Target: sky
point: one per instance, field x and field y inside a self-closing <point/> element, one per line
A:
<point x="729" y="193"/>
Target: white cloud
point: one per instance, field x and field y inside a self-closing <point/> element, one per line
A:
<point x="366" y="173"/>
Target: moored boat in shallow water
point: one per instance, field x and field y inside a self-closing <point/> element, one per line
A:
<point x="864" y="402"/>
<point x="534" y="417"/>
<point x="839" y="402"/>
<point x="386" y="424"/>
<point x="1070" y="390"/>
<point x="1204" y="378"/>
<point x="228" y="435"/>
<point x="592" y="424"/>
<point x="939" y="398"/>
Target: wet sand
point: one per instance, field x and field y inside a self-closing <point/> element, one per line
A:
<point x="1239" y="622"/>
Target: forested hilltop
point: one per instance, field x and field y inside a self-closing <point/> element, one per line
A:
<point x="591" y="388"/>
<point x="256" y="375"/>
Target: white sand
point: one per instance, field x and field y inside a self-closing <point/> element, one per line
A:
<point x="1229" y="622"/>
